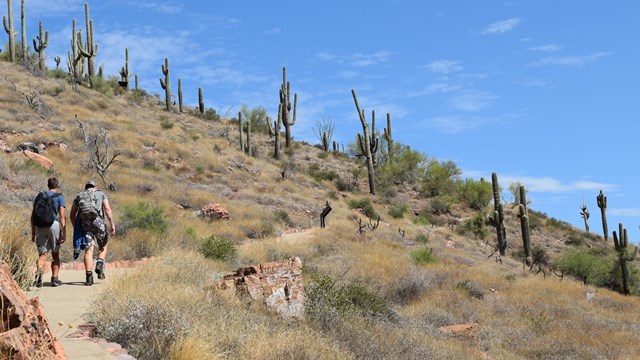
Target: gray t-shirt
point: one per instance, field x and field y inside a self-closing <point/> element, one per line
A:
<point x="100" y="197"/>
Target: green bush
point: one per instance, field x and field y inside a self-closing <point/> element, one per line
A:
<point x="217" y="248"/>
<point x="440" y="178"/>
<point x="575" y="239"/>
<point x="476" y="194"/>
<point x="365" y="205"/>
<point x="398" y="210"/>
<point x="476" y="226"/>
<point x="585" y="266"/>
<point x="325" y="298"/>
<point x="343" y="185"/>
<point x="405" y="167"/>
<point x="144" y="216"/>
<point x="559" y="224"/>
<point x="319" y="174"/>
<point x="422" y="256"/>
<point x="441" y="205"/>
<point x="165" y="122"/>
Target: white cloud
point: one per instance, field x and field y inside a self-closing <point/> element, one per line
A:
<point x="455" y="124"/>
<point x="570" y="61"/>
<point x="440" y="87"/>
<point x="473" y="101"/>
<point x="534" y="82"/>
<point x="356" y="59"/>
<point x="273" y="31"/>
<point x="48" y="8"/>
<point x="548" y="184"/>
<point x="443" y="66"/>
<point x="546" y="48"/>
<point x="631" y="212"/>
<point x="501" y="27"/>
<point x="163" y="7"/>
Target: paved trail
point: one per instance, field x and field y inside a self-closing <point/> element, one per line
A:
<point x="67" y="304"/>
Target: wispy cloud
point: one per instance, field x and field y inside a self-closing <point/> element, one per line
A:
<point x="435" y="88"/>
<point x="546" y="48"/>
<point x="456" y="124"/>
<point x="443" y="66"/>
<point x="273" y="31"/>
<point x="630" y="212"/>
<point x="473" y="101"/>
<point x="163" y="7"/>
<point x="549" y="184"/>
<point x="48" y="8"/>
<point x="501" y="27"/>
<point x="570" y="61"/>
<point x="534" y="82"/>
<point x="356" y="59"/>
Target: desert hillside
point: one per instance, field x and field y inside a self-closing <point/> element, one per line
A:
<point x="382" y="279"/>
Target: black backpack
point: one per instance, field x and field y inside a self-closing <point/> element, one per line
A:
<point x="44" y="211"/>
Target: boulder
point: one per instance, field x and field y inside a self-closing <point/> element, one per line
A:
<point x="214" y="211"/>
<point x="38" y="158"/>
<point x="24" y="329"/>
<point x="277" y="284"/>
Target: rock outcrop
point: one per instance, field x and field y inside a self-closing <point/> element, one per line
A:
<point x="214" y="211"/>
<point x="42" y="160"/>
<point x="277" y="284"/>
<point x="24" y="329"/>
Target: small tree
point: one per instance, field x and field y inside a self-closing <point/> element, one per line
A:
<point x="440" y="178"/>
<point x="99" y="149"/>
<point x="324" y="132"/>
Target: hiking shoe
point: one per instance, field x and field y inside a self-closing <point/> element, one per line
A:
<point x="38" y="280"/>
<point x="89" y="280"/>
<point x="55" y="282"/>
<point x="100" y="270"/>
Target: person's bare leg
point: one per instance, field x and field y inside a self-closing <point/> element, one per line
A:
<point x="88" y="265"/>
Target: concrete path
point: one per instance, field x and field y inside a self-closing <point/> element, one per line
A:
<point x="67" y="304"/>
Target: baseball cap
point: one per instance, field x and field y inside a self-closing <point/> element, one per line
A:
<point x="90" y="183"/>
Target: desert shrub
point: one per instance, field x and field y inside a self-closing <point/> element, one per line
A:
<point x="144" y="216"/>
<point x="426" y="217"/>
<point x="538" y="255"/>
<point x="574" y="239"/>
<point x="325" y="299"/>
<point x="470" y="289"/>
<point x="283" y="216"/>
<point x="398" y="210"/>
<point x="15" y="250"/>
<point x="476" y="194"/>
<point x="439" y="178"/>
<point x="260" y="229"/>
<point x="423" y="256"/>
<point x="366" y="207"/>
<point x="137" y="96"/>
<point x="535" y="219"/>
<point x="343" y="185"/>
<point x="585" y="266"/>
<point x="165" y="123"/>
<point x="405" y="167"/>
<point x="441" y="205"/>
<point x="319" y="174"/>
<point x="559" y="224"/>
<point x="217" y="248"/>
<point x="476" y="226"/>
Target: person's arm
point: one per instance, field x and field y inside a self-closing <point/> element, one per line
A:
<point x="63" y="224"/>
<point x="33" y="231"/>
<point x="109" y="215"/>
<point x="72" y="214"/>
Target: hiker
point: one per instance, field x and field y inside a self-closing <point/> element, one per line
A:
<point x="89" y="230"/>
<point x="48" y="229"/>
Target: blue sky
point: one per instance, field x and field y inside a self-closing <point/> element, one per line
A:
<point x="542" y="92"/>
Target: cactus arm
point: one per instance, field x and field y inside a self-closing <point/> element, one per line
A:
<point x="162" y="83"/>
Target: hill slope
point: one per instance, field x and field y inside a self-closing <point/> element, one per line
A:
<point x="370" y="294"/>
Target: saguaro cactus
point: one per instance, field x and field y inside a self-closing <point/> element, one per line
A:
<point x="240" y="132"/>
<point x="497" y="218"/>
<point x="524" y="226"/>
<point x="249" y="150"/>
<point x="585" y="215"/>
<point x="75" y="61"/>
<point x="23" y="23"/>
<point x="91" y="49"/>
<point x="200" y="101"/>
<point x="366" y="144"/>
<point x="136" y="77"/>
<point x="274" y="131"/>
<point x="388" y="136"/>
<point x="285" y="101"/>
<point x="602" y="204"/>
<point x="180" y="95"/>
<point x="373" y="140"/>
<point x="8" y="27"/>
<point x="166" y="84"/>
<point x="39" y="46"/>
<point x="624" y="256"/>
<point x="124" y="71"/>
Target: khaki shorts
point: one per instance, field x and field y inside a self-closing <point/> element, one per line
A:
<point x="48" y="239"/>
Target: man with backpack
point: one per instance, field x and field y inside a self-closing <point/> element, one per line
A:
<point x="89" y="229"/>
<point x="48" y="229"/>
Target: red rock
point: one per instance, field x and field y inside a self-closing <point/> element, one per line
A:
<point x="468" y="330"/>
<point x="26" y="330"/>
<point x="39" y="159"/>
<point x="215" y="211"/>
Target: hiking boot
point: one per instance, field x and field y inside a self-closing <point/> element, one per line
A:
<point x="89" y="280"/>
<point x="55" y="282"/>
<point x="100" y="270"/>
<point x="38" y="281"/>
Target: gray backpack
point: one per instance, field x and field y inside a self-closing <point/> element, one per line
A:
<point x="87" y="205"/>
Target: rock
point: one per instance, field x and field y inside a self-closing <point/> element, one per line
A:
<point x="467" y="330"/>
<point x="38" y="149"/>
<point x="277" y="284"/>
<point x="24" y="328"/>
<point x="4" y="148"/>
<point x="214" y="211"/>
<point x="39" y="159"/>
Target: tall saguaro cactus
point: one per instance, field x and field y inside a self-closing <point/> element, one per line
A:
<point x="8" y="27"/>
<point x="285" y="110"/>
<point x="602" y="204"/>
<point x="23" y="24"/>
<point x="249" y="149"/>
<point x="274" y="131"/>
<point x="388" y="137"/>
<point x="624" y="256"/>
<point x="497" y="218"/>
<point x="200" y="101"/>
<point x="76" y="60"/>
<point x="91" y="49"/>
<point x="373" y="140"/>
<point x="366" y="144"/>
<point x="124" y="71"/>
<point x="585" y="215"/>
<point x="524" y="226"/>
<point x="240" y="132"/>
<point x="39" y="46"/>
<point x="166" y="85"/>
<point x="180" y="95"/>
